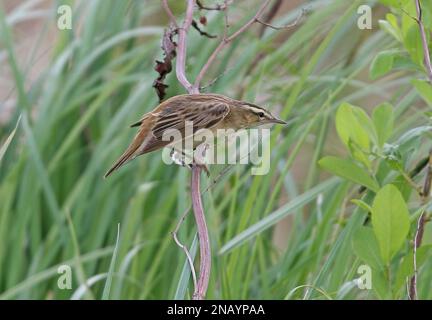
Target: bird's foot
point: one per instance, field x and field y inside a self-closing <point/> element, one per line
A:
<point x="203" y="166"/>
<point x="199" y="158"/>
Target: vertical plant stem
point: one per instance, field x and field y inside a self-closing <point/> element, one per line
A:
<point x="426" y="53"/>
<point x="204" y="242"/>
<point x="427" y="184"/>
<point x="420" y="229"/>
<point x="203" y="237"/>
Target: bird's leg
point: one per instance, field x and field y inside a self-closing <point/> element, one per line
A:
<point x="199" y="157"/>
<point x="178" y="157"/>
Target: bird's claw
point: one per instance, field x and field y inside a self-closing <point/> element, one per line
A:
<point x="199" y="158"/>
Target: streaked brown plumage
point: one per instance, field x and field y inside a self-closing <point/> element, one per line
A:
<point x="209" y="111"/>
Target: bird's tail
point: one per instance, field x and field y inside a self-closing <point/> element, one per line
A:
<point x="128" y="155"/>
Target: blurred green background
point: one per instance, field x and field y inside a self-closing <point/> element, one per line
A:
<point x="72" y="95"/>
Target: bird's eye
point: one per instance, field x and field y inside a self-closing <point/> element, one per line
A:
<point x="261" y="114"/>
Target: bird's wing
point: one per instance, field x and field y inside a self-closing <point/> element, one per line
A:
<point x="173" y="116"/>
<point x="201" y="116"/>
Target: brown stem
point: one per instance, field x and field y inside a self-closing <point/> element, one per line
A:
<point x="169" y="13"/>
<point x="426" y="53"/>
<point x="225" y="42"/>
<point x="181" y="49"/>
<point x="287" y="26"/>
<point x="270" y="15"/>
<point x="218" y="7"/>
<point x="427" y="184"/>
<point x="204" y="242"/>
<point x="420" y="229"/>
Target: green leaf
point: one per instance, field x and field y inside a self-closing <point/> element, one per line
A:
<point x="393" y="156"/>
<point x="413" y="44"/>
<point x="424" y="88"/>
<point x="427" y="14"/>
<point x="366" y="247"/>
<point x="362" y="204"/>
<point x="6" y="144"/>
<point x="380" y="285"/>
<point x="347" y="169"/>
<point x="393" y="3"/>
<point x="390" y="221"/>
<point x="355" y="129"/>
<point x="383" y="119"/>
<point x="404" y="63"/>
<point x="382" y="64"/>
<point x="349" y="126"/>
<point x="390" y="25"/>
<point x="107" y="287"/>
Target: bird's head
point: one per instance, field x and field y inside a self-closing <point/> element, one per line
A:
<point x="257" y="116"/>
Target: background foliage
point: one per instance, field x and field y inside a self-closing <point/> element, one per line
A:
<point x="358" y="106"/>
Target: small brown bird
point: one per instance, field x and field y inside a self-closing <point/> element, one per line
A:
<point x="204" y="111"/>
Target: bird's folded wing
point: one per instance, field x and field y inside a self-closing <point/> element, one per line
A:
<point x="197" y="115"/>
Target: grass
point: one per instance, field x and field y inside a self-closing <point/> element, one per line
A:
<point x="74" y="123"/>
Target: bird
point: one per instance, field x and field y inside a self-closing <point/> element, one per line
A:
<point x="203" y="110"/>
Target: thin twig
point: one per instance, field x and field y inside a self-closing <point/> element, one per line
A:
<point x="182" y="49"/>
<point x="264" y="25"/>
<point x="169" y="13"/>
<point x="287" y="26"/>
<point x="218" y="7"/>
<point x="427" y="184"/>
<point x="426" y="53"/>
<point x="185" y="249"/>
<point x="225" y="42"/>
<point x="216" y="79"/>
<point x="201" y="32"/>
<point x="269" y="16"/>
<point x="420" y="229"/>
<point x="226" y="26"/>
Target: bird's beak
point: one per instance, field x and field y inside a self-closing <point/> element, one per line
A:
<point x="279" y="121"/>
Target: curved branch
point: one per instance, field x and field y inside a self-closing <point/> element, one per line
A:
<point x="169" y="13"/>
<point x="182" y="48"/>
<point x="184" y="248"/>
<point x="227" y="40"/>
<point x="287" y="26"/>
